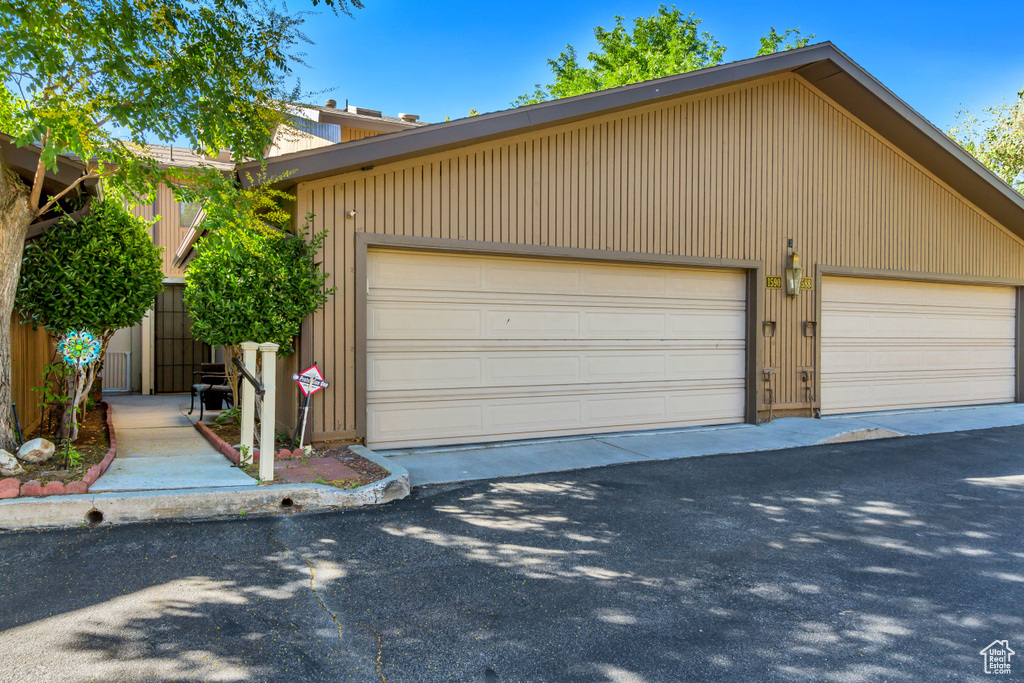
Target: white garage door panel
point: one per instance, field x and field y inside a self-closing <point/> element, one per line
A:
<point x="428" y="420"/>
<point x="469" y="348"/>
<point x="891" y="344"/>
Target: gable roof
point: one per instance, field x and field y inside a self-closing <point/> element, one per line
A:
<point x="183" y="157"/>
<point x="823" y="66"/>
<point x="343" y="115"/>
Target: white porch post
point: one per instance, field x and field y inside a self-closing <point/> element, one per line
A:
<point x="248" y="401"/>
<point x="268" y="422"/>
<point x="148" y="351"/>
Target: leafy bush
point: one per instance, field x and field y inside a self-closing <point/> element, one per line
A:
<point x="252" y="280"/>
<point x="99" y="273"/>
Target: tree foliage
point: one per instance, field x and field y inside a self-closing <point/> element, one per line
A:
<point x="101" y="272"/>
<point x="100" y="79"/>
<point x="98" y="273"/>
<point x="663" y="44"/>
<point x="790" y="39"/>
<point x="251" y="280"/>
<point x="996" y="138"/>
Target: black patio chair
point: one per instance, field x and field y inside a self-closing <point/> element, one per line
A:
<point x="212" y="388"/>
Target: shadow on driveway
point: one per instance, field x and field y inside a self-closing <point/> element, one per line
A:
<point x="879" y="561"/>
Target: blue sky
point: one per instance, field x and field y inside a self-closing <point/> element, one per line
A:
<point x="442" y="58"/>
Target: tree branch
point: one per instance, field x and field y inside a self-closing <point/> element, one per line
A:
<point x="40" y="175"/>
<point x="54" y="200"/>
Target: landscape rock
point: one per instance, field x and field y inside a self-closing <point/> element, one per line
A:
<point x="36" y="450"/>
<point x="9" y="465"/>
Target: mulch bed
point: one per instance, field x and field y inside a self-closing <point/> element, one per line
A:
<point x="93" y="443"/>
<point x="232" y="433"/>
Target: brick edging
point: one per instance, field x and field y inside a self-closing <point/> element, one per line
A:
<point x="232" y="454"/>
<point x="14" y="488"/>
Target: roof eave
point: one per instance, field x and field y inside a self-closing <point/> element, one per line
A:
<point x="823" y="66"/>
<point x="349" y="156"/>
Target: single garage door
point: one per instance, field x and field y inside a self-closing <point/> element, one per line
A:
<point x="892" y="344"/>
<point x="469" y="348"/>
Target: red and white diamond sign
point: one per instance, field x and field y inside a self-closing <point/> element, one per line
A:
<point x="311" y="381"/>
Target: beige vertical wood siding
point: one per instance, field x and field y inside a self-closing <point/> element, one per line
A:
<point x="348" y="134"/>
<point x="730" y="174"/>
<point x="31" y="351"/>
<point x="166" y="232"/>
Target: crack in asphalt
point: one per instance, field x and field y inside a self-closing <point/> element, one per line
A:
<point x="312" y="587"/>
<point x="380" y="650"/>
<point x="329" y="612"/>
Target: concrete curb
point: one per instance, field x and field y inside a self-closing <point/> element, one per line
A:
<point x="204" y="503"/>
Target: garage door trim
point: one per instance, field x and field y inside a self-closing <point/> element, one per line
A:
<point x="845" y="271"/>
<point x="366" y="241"/>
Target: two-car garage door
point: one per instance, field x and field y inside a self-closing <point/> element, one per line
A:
<point x="465" y="348"/>
<point x="895" y="344"/>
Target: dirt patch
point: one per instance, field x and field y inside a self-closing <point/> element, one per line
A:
<point x="337" y="467"/>
<point x="368" y="470"/>
<point x="93" y="443"/>
<point x="231" y="433"/>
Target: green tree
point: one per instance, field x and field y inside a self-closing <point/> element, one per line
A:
<point x="663" y="44"/>
<point x="251" y="280"/>
<point x="99" y="273"/>
<point x="790" y="39"/>
<point x="100" y="78"/>
<point x="996" y="139"/>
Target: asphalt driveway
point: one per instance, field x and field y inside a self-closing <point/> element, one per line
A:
<point x="895" y="560"/>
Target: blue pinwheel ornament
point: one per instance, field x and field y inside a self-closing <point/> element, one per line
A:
<point x="79" y="348"/>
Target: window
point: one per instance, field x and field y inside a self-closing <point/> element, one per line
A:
<point x="187" y="213"/>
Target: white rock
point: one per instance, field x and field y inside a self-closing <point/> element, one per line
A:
<point x="9" y="465"/>
<point x="36" y="450"/>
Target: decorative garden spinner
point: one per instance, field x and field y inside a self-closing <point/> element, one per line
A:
<point x="79" y="348"/>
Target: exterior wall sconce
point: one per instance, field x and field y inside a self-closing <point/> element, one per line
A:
<point x="794" y="274"/>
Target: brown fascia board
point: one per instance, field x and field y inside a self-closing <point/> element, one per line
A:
<point x="23" y="160"/>
<point x="862" y="95"/>
<point x="341" y="118"/>
<point x="350" y="156"/>
<point x="823" y="66"/>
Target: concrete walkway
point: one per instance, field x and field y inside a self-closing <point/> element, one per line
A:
<point x="159" y="449"/>
<point x="467" y="463"/>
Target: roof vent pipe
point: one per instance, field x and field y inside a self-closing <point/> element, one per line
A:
<point x="409" y="118"/>
<point x="331" y="104"/>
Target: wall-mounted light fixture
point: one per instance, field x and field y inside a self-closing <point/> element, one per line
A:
<point x="794" y="274"/>
<point x="351" y="213"/>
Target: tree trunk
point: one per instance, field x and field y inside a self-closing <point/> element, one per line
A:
<point x="79" y="386"/>
<point x="15" y="216"/>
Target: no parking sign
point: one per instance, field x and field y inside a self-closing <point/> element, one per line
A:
<point x="310" y="381"/>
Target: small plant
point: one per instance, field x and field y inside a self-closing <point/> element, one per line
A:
<point x="52" y="394"/>
<point x="74" y="457"/>
<point x="231" y="416"/>
<point x="321" y="480"/>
